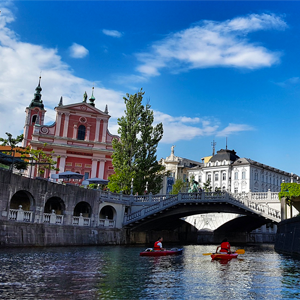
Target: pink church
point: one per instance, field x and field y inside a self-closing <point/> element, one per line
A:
<point x="79" y="137"/>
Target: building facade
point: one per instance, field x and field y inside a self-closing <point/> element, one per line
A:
<point x="178" y="168"/>
<point x="228" y="172"/>
<point x="79" y="137"/>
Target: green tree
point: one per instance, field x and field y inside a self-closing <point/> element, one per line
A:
<point x="178" y="187"/>
<point x="206" y="186"/>
<point x="42" y="158"/>
<point x="12" y="143"/>
<point x="135" y="152"/>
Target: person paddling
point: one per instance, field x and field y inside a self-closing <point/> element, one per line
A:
<point x="225" y="247"/>
<point x="158" y="245"/>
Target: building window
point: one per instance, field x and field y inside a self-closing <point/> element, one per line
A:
<point x="34" y="119"/>
<point x="216" y="176"/>
<point x="224" y="176"/>
<point x="209" y="177"/>
<point x="236" y="190"/>
<point x="81" y="133"/>
<point x="236" y="175"/>
<point x="243" y="175"/>
<point x="86" y="175"/>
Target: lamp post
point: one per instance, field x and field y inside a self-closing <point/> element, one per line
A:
<point x="146" y="187"/>
<point x="131" y="187"/>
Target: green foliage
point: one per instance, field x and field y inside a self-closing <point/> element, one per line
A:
<point x="289" y="191"/>
<point x="207" y="187"/>
<point x="10" y="141"/>
<point x="135" y="153"/>
<point x="41" y="157"/>
<point x="178" y="187"/>
<point x="13" y="142"/>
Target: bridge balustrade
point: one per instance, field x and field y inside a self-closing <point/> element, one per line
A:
<point x="81" y="221"/>
<point x="53" y="218"/>
<point x="20" y="215"/>
<point x="106" y="223"/>
<point x="240" y="200"/>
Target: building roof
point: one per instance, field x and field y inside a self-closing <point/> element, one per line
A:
<point x="224" y="154"/>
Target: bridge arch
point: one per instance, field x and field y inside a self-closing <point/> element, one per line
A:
<point x="83" y="208"/>
<point x="23" y="198"/>
<point x="56" y="204"/>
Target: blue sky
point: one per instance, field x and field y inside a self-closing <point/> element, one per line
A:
<point x="211" y="70"/>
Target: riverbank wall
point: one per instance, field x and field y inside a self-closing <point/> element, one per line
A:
<point x="288" y="237"/>
<point x="14" y="234"/>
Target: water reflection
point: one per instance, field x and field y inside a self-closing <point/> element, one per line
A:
<point x="115" y="272"/>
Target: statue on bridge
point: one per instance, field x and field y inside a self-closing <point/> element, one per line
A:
<point x="194" y="187"/>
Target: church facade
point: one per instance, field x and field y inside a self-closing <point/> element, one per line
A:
<point x="79" y="138"/>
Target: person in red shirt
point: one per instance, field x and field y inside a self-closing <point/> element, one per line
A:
<point x="158" y="245"/>
<point x="225" y="246"/>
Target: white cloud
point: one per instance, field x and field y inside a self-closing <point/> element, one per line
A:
<point x="288" y="82"/>
<point x="20" y="67"/>
<point x="212" y="44"/>
<point x="113" y="33"/>
<point x="78" y="51"/>
<point x="234" y="128"/>
<point x="186" y="128"/>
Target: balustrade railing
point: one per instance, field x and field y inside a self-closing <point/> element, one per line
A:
<point x="20" y="215"/>
<point x="53" y="218"/>
<point x="81" y="221"/>
<point x="240" y="200"/>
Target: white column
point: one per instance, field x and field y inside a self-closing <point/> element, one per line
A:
<point x="94" y="168"/>
<point x="104" y="131"/>
<point x="58" y="123"/>
<point x="66" y="125"/>
<point x="97" y="130"/>
<point x="75" y="131"/>
<point x="62" y="163"/>
<point x="101" y="169"/>
<point x="87" y="135"/>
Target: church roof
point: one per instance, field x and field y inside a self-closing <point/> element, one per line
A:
<point x="37" y="100"/>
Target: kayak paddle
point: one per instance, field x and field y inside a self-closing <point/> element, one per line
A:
<point x="238" y="251"/>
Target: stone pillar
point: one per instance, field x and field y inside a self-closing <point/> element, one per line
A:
<point x="58" y="123"/>
<point x="283" y="209"/>
<point x="101" y="169"/>
<point x="66" y="125"/>
<point x="94" y="168"/>
<point x="97" y="130"/>
<point x="87" y="136"/>
<point x="62" y="163"/>
<point x="75" y="131"/>
<point x="104" y="131"/>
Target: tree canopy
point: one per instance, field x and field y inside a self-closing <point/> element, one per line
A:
<point x="135" y="151"/>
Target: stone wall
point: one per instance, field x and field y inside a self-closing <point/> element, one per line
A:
<point x="288" y="237"/>
<point x="14" y="234"/>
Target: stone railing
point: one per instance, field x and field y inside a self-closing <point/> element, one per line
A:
<point x="107" y="223"/>
<point x="203" y="197"/>
<point x="20" y="215"/>
<point x="81" y="221"/>
<point x="53" y="218"/>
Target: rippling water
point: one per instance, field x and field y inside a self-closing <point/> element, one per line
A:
<point x="116" y="272"/>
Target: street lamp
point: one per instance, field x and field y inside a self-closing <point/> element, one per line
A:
<point x="131" y="187"/>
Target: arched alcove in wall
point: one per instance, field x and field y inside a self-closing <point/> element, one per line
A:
<point x="107" y="211"/>
<point x="23" y="198"/>
<point x="83" y="208"/>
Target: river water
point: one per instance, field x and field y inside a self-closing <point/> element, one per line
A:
<point x="118" y="272"/>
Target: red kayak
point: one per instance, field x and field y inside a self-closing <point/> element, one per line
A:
<point x="224" y="255"/>
<point x="151" y="252"/>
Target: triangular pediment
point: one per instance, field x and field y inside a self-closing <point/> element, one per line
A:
<point x="82" y="107"/>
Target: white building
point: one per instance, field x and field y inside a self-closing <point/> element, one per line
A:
<point x="229" y="172"/>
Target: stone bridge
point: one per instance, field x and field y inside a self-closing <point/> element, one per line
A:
<point x="159" y="210"/>
<point x="62" y="210"/>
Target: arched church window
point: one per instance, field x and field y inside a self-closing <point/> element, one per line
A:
<point x="34" y="119"/>
<point x="81" y="133"/>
